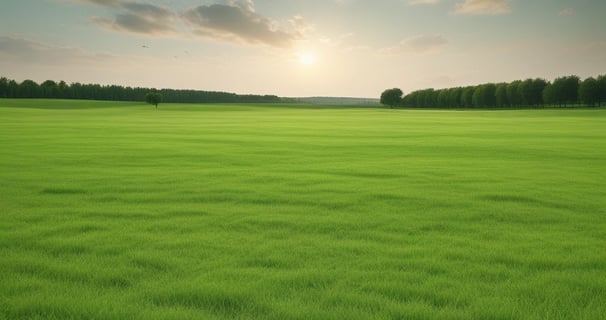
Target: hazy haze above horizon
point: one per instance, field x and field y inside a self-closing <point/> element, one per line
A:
<point x="353" y="48"/>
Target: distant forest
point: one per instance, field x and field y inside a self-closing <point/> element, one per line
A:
<point x="563" y="91"/>
<point x="50" y="89"/>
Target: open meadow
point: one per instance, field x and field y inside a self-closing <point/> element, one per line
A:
<point x="114" y="210"/>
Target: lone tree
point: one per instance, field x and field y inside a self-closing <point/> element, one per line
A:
<point x="391" y="97"/>
<point x="153" y="98"/>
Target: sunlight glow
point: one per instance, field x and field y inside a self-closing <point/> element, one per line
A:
<point x="307" y="58"/>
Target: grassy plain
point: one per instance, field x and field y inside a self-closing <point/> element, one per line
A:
<point x="116" y="211"/>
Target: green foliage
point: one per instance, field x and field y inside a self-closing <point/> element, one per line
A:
<point x="28" y="89"/>
<point x="410" y="100"/>
<point x="501" y="99"/>
<point x="531" y="91"/>
<point x="589" y="91"/>
<point x="454" y="97"/>
<point x="153" y="98"/>
<point x="13" y="87"/>
<point x="602" y="86"/>
<point x="53" y="90"/>
<point x="549" y="94"/>
<point x="49" y="88"/>
<point x="265" y="212"/>
<point x="514" y="95"/>
<point x="566" y="90"/>
<point x="467" y="96"/>
<point x="429" y="98"/>
<point x="3" y="87"/>
<point x="484" y="96"/>
<point x="391" y="97"/>
<point x="443" y="97"/>
<point x="527" y="93"/>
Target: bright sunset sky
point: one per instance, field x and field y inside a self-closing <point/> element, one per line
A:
<point x="353" y="48"/>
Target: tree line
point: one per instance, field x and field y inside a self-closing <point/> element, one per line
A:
<point x="563" y="91"/>
<point x="50" y="89"/>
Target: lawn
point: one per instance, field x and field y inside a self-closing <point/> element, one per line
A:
<point x="117" y="211"/>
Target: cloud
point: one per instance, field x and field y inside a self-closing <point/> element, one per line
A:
<point x="567" y="12"/>
<point x="138" y="18"/>
<point x="423" y="44"/>
<point x="238" y="21"/>
<point x="415" y="2"/>
<point x="483" y="7"/>
<point x="234" y="21"/>
<point x="106" y="3"/>
<point x="249" y="5"/>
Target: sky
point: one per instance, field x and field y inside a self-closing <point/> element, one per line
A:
<point x="297" y="48"/>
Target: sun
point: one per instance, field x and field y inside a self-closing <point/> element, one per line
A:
<point x="307" y="59"/>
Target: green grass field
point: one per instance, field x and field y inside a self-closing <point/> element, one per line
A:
<point x="116" y="211"/>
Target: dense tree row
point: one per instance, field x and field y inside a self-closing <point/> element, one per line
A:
<point x="60" y="90"/>
<point x="563" y="91"/>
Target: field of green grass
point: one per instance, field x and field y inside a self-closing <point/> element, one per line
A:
<point x="116" y="211"/>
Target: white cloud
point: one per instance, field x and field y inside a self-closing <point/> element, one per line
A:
<point x="483" y="7"/>
<point x="414" y="2"/>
